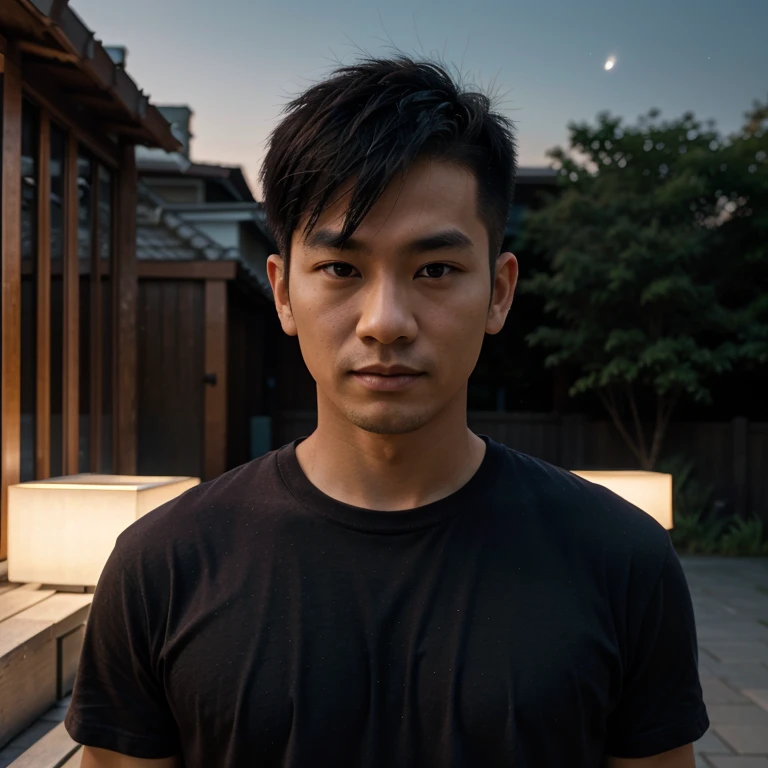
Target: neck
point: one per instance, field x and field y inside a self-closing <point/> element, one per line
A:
<point x="391" y="472"/>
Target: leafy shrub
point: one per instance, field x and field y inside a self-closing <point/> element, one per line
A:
<point x="744" y="537"/>
<point x="695" y="534"/>
<point x="698" y="528"/>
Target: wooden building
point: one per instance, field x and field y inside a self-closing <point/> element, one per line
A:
<point x="206" y="318"/>
<point x="71" y="118"/>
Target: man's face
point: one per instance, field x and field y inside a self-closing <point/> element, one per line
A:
<point x="391" y="325"/>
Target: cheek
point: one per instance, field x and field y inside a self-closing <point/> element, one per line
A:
<point x="322" y="331"/>
<point x="462" y="317"/>
<point x="455" y="331"/>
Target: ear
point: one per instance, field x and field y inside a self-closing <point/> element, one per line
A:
<point x="277" y="279"/>
<point x="504" y="285"/>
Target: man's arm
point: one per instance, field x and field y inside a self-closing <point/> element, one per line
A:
<point x="660" y="710"/>
<point x="119" y="702"/>
<point x="104" y="758"/>
<point x="682" y="757"/>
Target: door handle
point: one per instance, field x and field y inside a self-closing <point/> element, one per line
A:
<point x="211" y="379"/>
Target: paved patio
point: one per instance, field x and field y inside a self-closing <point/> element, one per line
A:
<point x="730" y="598"/>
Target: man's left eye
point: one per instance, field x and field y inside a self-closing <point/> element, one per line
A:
<point x="435" y="270"/>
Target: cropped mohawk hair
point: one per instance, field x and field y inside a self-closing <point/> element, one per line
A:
<point x="365" y="124"/>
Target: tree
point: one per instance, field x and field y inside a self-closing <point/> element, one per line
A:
<point x="742" y="237"/>
<point x="643" y="304"/>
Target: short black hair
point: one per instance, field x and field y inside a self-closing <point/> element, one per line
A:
<point x="368" y="122"/>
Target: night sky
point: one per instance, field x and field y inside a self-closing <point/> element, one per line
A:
<point x="237" y="62"/>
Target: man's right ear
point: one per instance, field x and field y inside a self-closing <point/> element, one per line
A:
<point x="277" y="279"/>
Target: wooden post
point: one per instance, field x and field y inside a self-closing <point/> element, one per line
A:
<point x="215" y="431"/>
<point x="71" y="331"/>
<point x="95" y="332"/>
<point x="43" y="405"/>
<point x="740" y="453"/>
<point x="10" y="348"/>
<point x="126" y="293"/>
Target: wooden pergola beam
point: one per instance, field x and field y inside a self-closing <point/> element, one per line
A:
<point x="46" y="52"/>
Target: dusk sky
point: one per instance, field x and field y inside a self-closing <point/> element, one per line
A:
<point x="237" y="62"/>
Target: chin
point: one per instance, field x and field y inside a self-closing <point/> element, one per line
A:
<point x="389" y="423"/>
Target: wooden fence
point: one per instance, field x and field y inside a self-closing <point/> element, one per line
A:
<point x="731" y="456"/>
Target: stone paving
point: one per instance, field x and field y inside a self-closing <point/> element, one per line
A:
<point x="730" y="599"/>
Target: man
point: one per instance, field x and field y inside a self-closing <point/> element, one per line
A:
<point x="393" y="590"/>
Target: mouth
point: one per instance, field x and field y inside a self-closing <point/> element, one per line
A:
<point x="388" y="370"/>
<point x="387" y="378"/>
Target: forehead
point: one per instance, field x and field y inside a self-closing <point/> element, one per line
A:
<point x="432" y="195"/>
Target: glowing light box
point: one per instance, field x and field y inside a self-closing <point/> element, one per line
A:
<point x="61" y="531"/>
<point x="650" y="491"/>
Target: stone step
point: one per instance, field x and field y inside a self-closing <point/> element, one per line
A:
<point x="20" y="598"/>
<point x="39" y="650"/>
<point x="54" y="750"/>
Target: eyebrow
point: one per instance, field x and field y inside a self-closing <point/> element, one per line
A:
<point x="447" y="238"/>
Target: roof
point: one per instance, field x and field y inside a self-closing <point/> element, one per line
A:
<point x="60" y="51"/>
<point x="176" y="164"/>
<point x="226" y="211"/>
<point x="163" y="235"/>
<point x="536" y="175"/>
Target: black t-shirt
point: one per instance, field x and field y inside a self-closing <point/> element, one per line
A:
<point x="529" y="619"/>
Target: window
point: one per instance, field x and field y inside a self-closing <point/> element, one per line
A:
<point x="85" y="244"/>
<point x="105" y="259"/>
<point x="29" y="168"/>
<point x="57" y="169"/>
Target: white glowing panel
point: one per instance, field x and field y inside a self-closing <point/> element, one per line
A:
<point x="61" y="531"/>
<point x="651" y="491"/>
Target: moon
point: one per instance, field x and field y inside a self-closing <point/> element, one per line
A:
<point x="610" y="62"/>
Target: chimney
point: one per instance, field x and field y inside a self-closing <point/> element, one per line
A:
<point x="118" y="54"/>
<point x="180" y="118"/>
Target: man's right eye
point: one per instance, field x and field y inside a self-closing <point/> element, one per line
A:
<point x="339" y="269"/>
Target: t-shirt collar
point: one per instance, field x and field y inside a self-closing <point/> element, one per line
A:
<point x="402" y="521"/>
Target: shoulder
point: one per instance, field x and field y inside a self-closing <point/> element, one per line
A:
<point x="586" y="521"/>
<point x="211" y="510"/>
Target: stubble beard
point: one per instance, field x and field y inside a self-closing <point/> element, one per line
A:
<point x="389" y="423"/>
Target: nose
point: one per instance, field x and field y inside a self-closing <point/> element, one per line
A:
<point x="387" y="312"/>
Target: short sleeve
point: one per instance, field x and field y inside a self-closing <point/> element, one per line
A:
<point x="661" y="705"/>
<point x="117" y="702"/>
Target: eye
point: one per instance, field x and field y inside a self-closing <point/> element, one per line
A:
<point x="339" y="269"/>
<point x="435" y="270"/>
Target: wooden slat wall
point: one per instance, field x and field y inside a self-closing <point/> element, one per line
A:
<point x="251" y="332"/>
<point x="43" y="415"/>
<point x="290" y="425"/>
<point x="187" y="270"/>
<point x="10" y="301"/>
<point x="171" y="360"/>
<point x="561" y="439"/>
<point x="757" y="463"/>
<point x="536" y="433"/>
